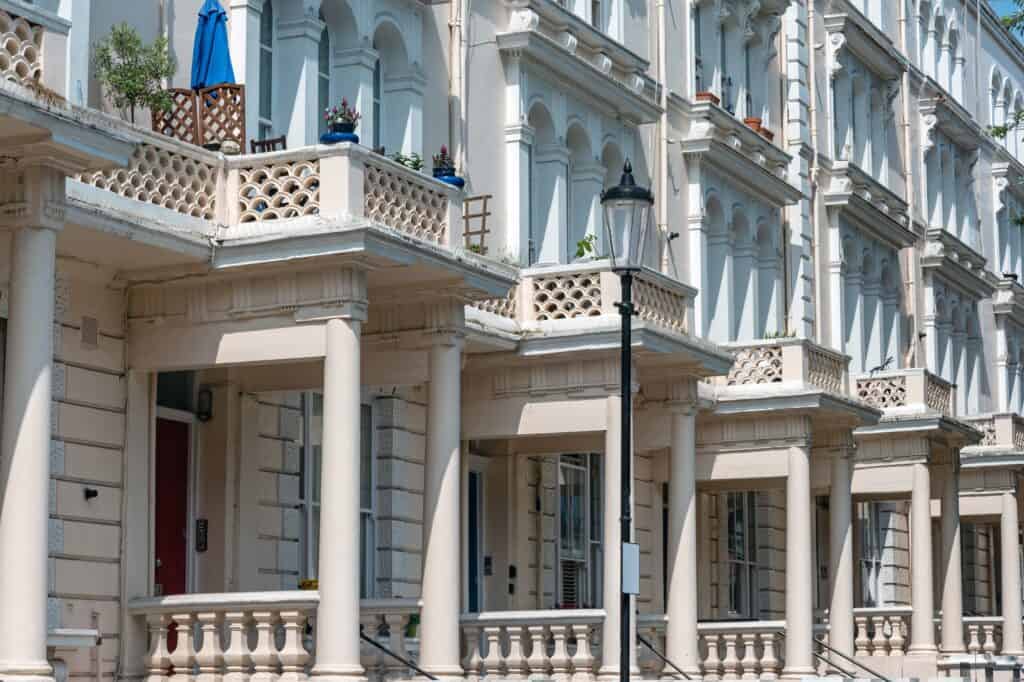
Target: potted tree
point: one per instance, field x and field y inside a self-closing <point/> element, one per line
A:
<point x="341" y="124"/>
<point x="444" y="168"/>
<point x="132" y="73"/>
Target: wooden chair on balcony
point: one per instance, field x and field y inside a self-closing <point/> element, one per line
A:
<point x="270" y="144"/>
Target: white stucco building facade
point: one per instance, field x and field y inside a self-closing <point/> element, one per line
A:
<point x="255" y="404"/>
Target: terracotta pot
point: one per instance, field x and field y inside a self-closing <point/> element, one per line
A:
<point x="768" y="135"/>
<point x="705" y="96"/>
<point x="753" y="122"/>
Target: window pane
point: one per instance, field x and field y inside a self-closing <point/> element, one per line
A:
<point x="366" y="458"/>
<point x="266" y="82"/>
<point x="596" y="506"/>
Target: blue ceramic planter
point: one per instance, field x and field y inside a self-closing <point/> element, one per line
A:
<point x="453" y="180"/>
<point x="335" y="138"/>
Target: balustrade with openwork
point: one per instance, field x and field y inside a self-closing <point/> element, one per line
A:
<point x="242" y="191"/>
<point x="777" y="361"/>
<point x="907" y="390"/>
<point x="563" y="293"/>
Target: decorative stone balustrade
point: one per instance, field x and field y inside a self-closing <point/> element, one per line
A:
<point x="567" y="292"/>
<point x="1004" y="431"/>
<point x="259" y="635"/>
<point x="907" y="388"/>
<point x="747" y="650"/>
<point x="729" y="650"/>
<point x="21" y="52"/>
<point x="881" y="631"/>
<point x="525" y="644"/>
<point x="983" y="634"/>
<point x="177" y="177"/>
<point x="240" y="192"/>
<point x="787" y="360"/>
<point x="278" y="185"/>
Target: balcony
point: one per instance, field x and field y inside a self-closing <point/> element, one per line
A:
<point x="728" y="650"/>
<point x="236" y="198"/>
<point x="877" y="210"/>
<point x="559" y="44"/>
<point x="30" y="34"/>
<point x="727" y="145"/>
<point x="907" y="391"/>
<point x="999" y="432"/>
<point x="797" y="363"/>
<point x="550" y="298"/>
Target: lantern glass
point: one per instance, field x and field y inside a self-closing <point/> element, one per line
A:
<point x="627" y="209"/>
<point x="626" y="222"/>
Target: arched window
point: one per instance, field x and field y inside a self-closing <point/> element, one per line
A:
<point x="266" y="107"/>
<point x="323" y="74"/>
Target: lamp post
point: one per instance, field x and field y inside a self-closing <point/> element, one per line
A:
<point x="626" y="212"/>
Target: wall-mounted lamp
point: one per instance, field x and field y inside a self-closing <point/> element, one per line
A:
<point x="91" y="493"/>
<point x="204" y="404"/>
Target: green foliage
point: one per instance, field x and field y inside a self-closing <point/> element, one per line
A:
<point x="586" y="246"/>
<point x="131" y="72"/>
<point x="476" y="248"/>
<point x="413" y="161"/>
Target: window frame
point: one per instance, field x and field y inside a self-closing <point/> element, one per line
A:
<point x="745" y="570"/>
<point x="265" y="118"/>
<point x="310" y="501"/>
<point x="591" y="593"/>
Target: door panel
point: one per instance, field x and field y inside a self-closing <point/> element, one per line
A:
<point x="171" y="508"/>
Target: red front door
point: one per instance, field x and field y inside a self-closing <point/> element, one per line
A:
<point x="172" y="448"/>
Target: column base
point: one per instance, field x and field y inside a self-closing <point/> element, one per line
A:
<point x="26" y="671"/>
<point x="923" y="650"/>
<point x="338" y="673"/>
<point x="798" y="673"/>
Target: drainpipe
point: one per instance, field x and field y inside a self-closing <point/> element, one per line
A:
<point x="456" y="81"/>
<point x="812" y="114"/>
<point x="663" y="137"/>
<point x="913" y="264"/>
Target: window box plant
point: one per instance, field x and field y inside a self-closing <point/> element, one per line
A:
<point x="341" y="124"/>
<point x="444" y="168"/>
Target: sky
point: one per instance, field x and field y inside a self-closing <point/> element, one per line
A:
<point x="1002" y="6"/>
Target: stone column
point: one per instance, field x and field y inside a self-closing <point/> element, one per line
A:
<point x="1013" y="641"/>
<point x="612" y="542"/>
<point x="337" y="631"/>
<point x="244" y="45"/>
<point x="922" y="629"/>
<point x="297" y="54"/>
<point x="25" y="452"/>
<point x="352" y="78"/>
<point x="952" y="586"/>
<point x="799" y="571"/>
<point x="441" y="592"/>
<point x="841" y="544"/>
<point x="681" y="630"/>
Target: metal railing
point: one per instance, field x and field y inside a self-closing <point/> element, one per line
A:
<point x="643" y="640"/>
<point x="401" y="659"/>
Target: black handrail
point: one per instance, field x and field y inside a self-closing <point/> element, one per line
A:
<point x="842" y="671"/>
<point x="404" y="661"/>
<point x="846" y="658"/>
<point x="640" y="638"/>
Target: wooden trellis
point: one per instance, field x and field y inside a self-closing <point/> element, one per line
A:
<point x="475" y="235"/>
<point x="213" y="114"/>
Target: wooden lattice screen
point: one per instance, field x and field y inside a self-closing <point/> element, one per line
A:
<point x="213" y="114"/>
<point x="476" y="209"/>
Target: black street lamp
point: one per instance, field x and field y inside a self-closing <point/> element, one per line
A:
<point x="626" y="214"/>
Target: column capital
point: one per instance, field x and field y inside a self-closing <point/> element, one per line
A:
<point x="33" y="197"/>
<point x="344" y="296"/>
<point x="682" y="398"/>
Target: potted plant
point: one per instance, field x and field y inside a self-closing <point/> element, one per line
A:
<point x="707" y="96"/>
<point x="413" y="161"/>
<point x="444" y="168"/>
<point x="341" y="124"/>
<point x="132" y="73"/>
<point x="754" y="123"/>
<point x="767" y="134"/>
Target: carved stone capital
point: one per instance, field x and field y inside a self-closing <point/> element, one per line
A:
<point x="32" y="197"/>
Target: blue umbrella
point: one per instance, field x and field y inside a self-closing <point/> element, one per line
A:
<point x="211" y="59"/>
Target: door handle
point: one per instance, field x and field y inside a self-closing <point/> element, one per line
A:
<point x="159" y="564"/>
